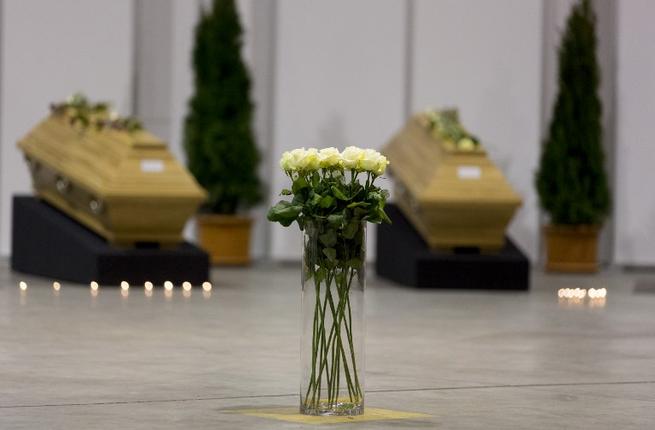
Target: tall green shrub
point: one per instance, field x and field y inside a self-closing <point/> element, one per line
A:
<point x="218" y="136"/>
<point x="571" y="181"/>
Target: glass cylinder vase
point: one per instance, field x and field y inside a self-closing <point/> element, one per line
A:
<point x="332" y="345"/>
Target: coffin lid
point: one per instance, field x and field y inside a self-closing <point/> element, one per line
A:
<point x="434" y="171"/>
<point x="109" y="162"/>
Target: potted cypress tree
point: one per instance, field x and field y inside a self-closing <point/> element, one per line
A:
<point x="571" y="181"/>
<point x="218" y="135"/>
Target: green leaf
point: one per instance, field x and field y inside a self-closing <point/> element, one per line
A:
<point x="315" y="199"/>
<point x="359" y="213"/>
<point x="356" y="192"/>
<point x="339" y="194"/>
<point x="329" y="238"/>
<point x="375" y="196"/>
<point x="383" y="215"/>
<point x="285" y="192"/>
<point x="299" y="184"/>
<point x="350" y="230"/>
<point x="320" y="275"/>
<point x="335" y="219"/>
<point x="326" y="201"/>
<point x="330" y="253"/>
<point x="308" y="272"/>
<point x="299" y="199"/>
<point x="355" y="263"/>
<point x="378" y="216"/>
<point x="358" y="205"/>
<point x="284" y="212"/>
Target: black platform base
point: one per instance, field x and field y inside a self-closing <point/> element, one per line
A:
<point x="47" y="242"/>
<point x="404" y="257"/>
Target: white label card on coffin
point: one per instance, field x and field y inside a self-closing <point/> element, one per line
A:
<point x="469" y="172"/>
<point x="152" y="166"/>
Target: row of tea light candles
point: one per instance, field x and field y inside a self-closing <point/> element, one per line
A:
<point x="581" y="293"/>
<point x="562" y="293"/>
<point x="125" y="286"/>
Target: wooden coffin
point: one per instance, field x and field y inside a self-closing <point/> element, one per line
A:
<point x="124" y="185"/>
<point x="454" y="195"/>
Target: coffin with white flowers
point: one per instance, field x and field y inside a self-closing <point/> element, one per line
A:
<point x="446" y="184"/>
<point x="122" y="183"/>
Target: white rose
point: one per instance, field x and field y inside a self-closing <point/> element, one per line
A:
<point x="352" y="157"/>
<point x="381" y="165"/>
<point x="286" y="161"/>
<point x="310" y="160"/>
<point x="369" y="160"/>
<point x="330" y="158"/>
<point x="295" y="158"/>
<point x="466" y="144"/>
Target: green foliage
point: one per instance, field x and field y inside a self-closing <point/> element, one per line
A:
<point x="332" y="211"/>
<point x="325" y="197"/>
<point x="81" y="112"/>
<point x="218" y="136"/>
<point x="571" y="181"/>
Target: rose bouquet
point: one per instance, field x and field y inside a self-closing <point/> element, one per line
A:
<point x="333" y="197"/>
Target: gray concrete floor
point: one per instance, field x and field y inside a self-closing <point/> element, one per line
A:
<point x="469" y="359"/>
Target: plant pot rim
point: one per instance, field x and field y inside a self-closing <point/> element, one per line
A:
<point x="223" y="219"/>
<point x="572" y="230"/>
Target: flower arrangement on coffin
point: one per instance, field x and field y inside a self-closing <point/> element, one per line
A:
<point x="334" y="195"/>
<point x="80" y="111"/>
<point x="445" y="125"/>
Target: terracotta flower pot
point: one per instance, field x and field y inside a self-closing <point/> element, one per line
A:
<point x="571" y="248"/>
<point x="225" y="237"/>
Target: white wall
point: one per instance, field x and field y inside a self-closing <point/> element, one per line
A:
<point x="48" y="50"/>
<point x="154" y="49"/>
<point x="485" y="58"/>
<point x="634" y="197"/>
<point x="339" y="81"/>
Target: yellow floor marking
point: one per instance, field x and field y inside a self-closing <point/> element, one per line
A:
<point x="292" y="415"/>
